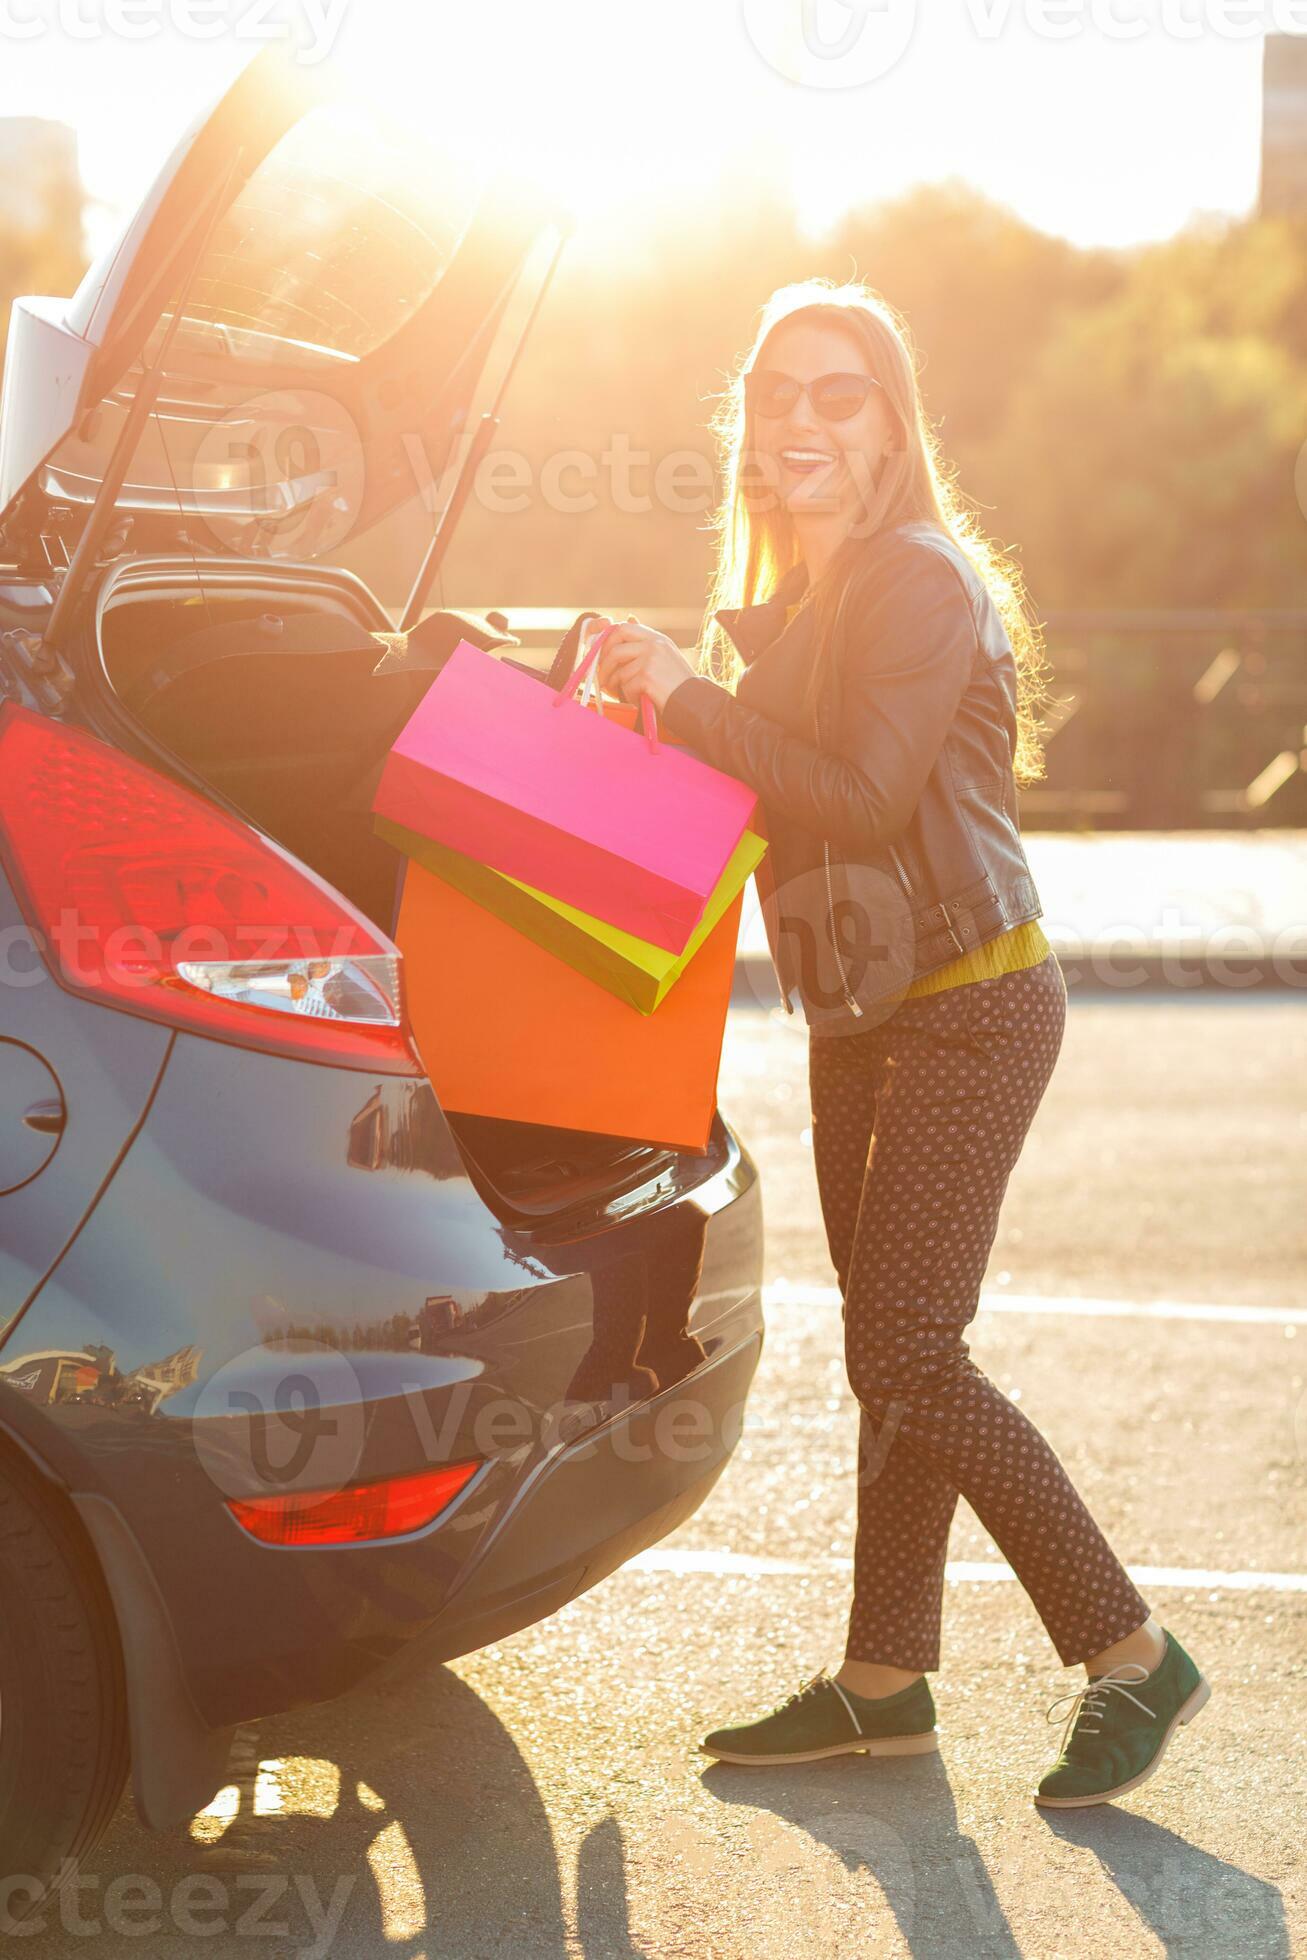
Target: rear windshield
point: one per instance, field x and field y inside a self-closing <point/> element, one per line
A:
<point x="338" y="237"/>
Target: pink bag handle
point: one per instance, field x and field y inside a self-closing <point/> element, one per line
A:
<point x="578" y="674"/>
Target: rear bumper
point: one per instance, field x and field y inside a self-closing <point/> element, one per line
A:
<point x="588" y="1509"/>
<point x="598" y="1503"/>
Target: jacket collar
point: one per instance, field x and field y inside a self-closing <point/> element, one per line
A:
<point x="752" y="628"/>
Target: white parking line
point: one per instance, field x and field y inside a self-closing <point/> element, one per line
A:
<point x="731" y="1565"/>
<point x="787" y="1293"/>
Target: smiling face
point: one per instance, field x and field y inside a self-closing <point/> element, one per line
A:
<point x="819" y="466"/>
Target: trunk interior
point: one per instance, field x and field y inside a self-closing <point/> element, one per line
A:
<point x="265" y="690"/>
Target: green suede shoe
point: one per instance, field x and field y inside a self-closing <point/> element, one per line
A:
<point x="824" y="1719"/>
<point x="1116" y="1734"/>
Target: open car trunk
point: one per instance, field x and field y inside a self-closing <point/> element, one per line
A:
<point x="308" y="323"/>
<point x="264" y="686"/>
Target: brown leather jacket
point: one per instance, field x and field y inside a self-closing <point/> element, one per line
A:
<point x="894" y="838"/>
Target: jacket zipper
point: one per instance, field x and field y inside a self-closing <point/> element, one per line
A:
<point x="835" y="938"/>
<point x="849" y="1001"/>
<point x="904" y="879"/>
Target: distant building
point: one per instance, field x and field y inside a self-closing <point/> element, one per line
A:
<point x="1284" y="126"/>
<point x="39" y="179"/>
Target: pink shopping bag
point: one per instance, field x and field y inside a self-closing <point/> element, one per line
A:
<point x="530" y="782"/>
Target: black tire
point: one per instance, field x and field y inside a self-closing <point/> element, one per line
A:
<point x="63" y="1705"/>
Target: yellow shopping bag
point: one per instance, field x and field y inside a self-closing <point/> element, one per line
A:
<point x="634" y="970"/>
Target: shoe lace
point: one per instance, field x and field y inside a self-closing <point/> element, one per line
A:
<point x="801" y="1694"/>
<point x="823" y="1678"/>
<point x="1092" y="1700"/>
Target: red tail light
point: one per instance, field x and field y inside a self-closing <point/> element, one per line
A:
<point x="149" y="899"/>
<point x="362" y="1511"/>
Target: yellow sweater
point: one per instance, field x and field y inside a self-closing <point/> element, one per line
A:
<point x="1018" y="947"/>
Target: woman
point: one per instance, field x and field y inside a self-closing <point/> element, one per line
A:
<point x="886" y="710"/>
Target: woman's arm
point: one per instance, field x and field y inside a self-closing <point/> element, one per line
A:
<point x="911" y="646"/>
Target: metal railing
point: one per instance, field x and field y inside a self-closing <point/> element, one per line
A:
<point x="1157" y="720"/>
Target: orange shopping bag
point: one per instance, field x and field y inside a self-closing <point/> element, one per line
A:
<point x="505" y="1028"/>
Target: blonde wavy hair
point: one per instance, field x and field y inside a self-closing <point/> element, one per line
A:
<point x="755" y="549"/>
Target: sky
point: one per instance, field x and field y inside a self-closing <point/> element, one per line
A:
<point x="1109" y="121"/>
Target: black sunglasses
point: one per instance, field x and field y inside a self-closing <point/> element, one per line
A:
<point x="835" y="397"/>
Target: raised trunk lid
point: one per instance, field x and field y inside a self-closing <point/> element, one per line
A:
<point x="340" y="285"/>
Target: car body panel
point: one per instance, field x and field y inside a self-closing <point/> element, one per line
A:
<point x="278" y="1222"/>
<point x="104" y="1070"/>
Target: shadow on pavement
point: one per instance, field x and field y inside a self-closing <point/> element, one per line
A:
<point x="1190" y="1901"/>
<point x="903" y="1832"/>
<point x="429" y="1837"/>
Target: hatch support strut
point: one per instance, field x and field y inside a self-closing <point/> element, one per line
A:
<point x="103" y="510"/>
<point x="467" y="469"/>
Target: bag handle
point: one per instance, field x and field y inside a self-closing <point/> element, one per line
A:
<point x="583" y="667"/>
<point x="591" y="691"/>
<point x="565" y="658"/>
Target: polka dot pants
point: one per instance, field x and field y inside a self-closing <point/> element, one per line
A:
<point x="916" y="1125"/>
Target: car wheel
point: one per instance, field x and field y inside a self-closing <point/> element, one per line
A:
<point x="63" y="1706"/>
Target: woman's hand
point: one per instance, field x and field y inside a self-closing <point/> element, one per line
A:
<point x="636" y="660"/>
